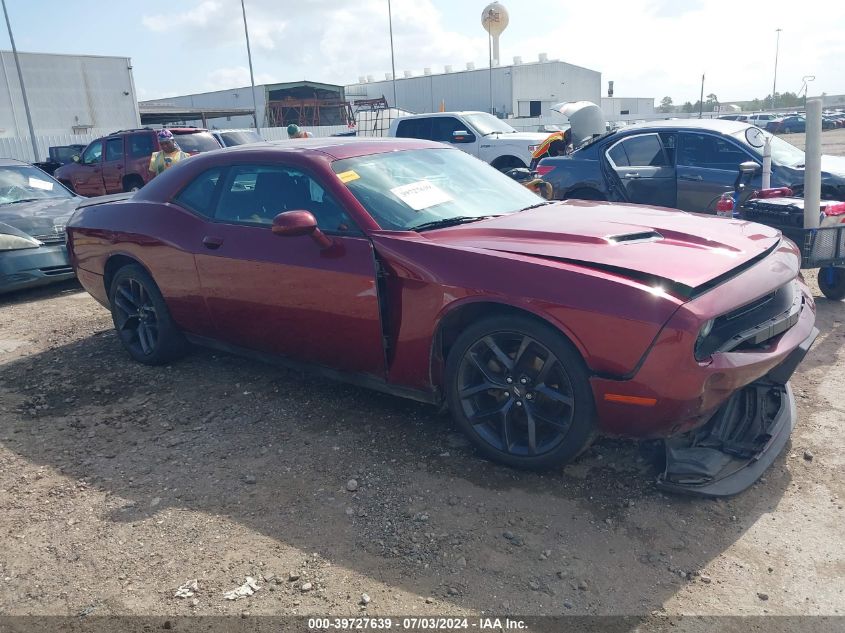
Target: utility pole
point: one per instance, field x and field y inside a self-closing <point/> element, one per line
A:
<point x="251" y="76"/>
<point x="392" y="58"/>
<point x="701" y="100"/>
<point x="490" y="47"/>
<point x="23" y="88"/>
<point x="775" y="82"/>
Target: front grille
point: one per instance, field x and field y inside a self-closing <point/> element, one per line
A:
<point x="754" y="323"/>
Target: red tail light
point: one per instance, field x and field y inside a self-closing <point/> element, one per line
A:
<point x="542" y="170"/>
<point x="776" y="192"/>
<point x="835" y="209"/>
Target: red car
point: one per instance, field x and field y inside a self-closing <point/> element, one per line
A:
<point x="420" y="271"/>
<point x="121" y="161"/>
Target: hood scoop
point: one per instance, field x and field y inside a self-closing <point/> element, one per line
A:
<point x="635" y="238"/>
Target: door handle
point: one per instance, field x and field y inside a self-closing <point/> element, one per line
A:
<point x="632" y="174"/>
<point x="212" y="242"/>
<point x="691" y="178"/>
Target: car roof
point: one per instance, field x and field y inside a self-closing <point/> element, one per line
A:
<point x="717" y="125"/>
<point x="431" y="114"/>
<point x="11" y="162"/>
<point x="339" y="147"/>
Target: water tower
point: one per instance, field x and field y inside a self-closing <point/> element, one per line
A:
<point x="494" y="19"/>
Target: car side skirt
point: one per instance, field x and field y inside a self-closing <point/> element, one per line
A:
<point x="367" y="381"/>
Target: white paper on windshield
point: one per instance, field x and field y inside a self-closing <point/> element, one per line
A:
<point x="40" y="184"/>
<point x="421" y="195"/>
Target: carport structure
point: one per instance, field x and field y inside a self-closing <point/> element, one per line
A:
<point x="306" y="103"/>
<point x="163" y="114"/>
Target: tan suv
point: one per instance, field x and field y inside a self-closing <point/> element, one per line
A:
<point x="120" y="161"/>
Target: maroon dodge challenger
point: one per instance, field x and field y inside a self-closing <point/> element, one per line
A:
<point x="415" y="269"/>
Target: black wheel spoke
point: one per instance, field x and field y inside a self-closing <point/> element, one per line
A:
<point x="531" y="427"/>
<point x="468" y="392"/>
<point x="538" y="416"/>
<point x="127" y="322"/>
<point x="504" y="426"/>
<point x="548" y="364"/>
<point x="553" y="394"/>
<point x="125" y="298"/>
<point x="523" y="346"/>
<point x="503" y="358"/>
<point x="143" y="338"/>
<point x="485" y="372"/>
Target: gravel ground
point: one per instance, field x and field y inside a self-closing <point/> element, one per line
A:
<point x="833" y="141"/>
<point x="119" y="483"/>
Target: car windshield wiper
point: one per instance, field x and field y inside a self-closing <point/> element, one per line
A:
<point x="24" y="200"/>
<point x="539" y="204"/>
<point x="445" y="222"/>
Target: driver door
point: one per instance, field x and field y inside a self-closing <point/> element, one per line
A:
<point x="645" y="170"/>
<point x="87" y="179"/>
<point x="286" y="295"/>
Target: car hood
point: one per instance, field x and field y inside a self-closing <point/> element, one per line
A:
<point x="522" y="137"/>
<point x="40" y="218"/>
<point x="833" y="165"/>
<point x="691" y="252"/>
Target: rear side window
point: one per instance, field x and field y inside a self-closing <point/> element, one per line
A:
<point x="196" y="142"/>
<point x="638" y="151"/>
<point x="414" y="128"/>
<point x="140" y="145"/>
<point x="200" y="195"/>
<point x="114" y="149"/>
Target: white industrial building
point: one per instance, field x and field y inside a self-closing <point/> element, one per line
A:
<point x="628" y="108"/>
<point x="518" y="90"/>
<point x="69" y="96"/>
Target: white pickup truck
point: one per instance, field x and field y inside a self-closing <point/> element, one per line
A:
<point x="477" y="133"/>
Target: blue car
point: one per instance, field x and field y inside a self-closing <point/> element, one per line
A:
<point x="34" y="209"/>
<point x="680" y="164"/>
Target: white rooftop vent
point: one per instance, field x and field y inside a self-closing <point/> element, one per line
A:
<point x="408" y="74"/>
<point x="517" y="60"/>
<point x="362" y="79"/>
<point x="426" y="71"/>
<point x="370" y="78"/>
<point x="447" y="68"/>
<point x="544" y="57"/>
<point x="470" y="66"/>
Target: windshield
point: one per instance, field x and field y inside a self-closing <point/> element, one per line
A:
<point x="240" y="137"/>
<point x="196" y="142"/>
<point x="783" y="153"/>
<point x="486" y="124"/>
<point x="24" y="183"/>
<point x="406" y="189"/>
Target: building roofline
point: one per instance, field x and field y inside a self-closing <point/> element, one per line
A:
<point x="68" y="54"/>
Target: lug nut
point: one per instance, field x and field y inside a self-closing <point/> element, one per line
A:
<point x="509" y="380"/>
<point x="529" y="396"/>
<point x="523" y="381"/>
<point x="519" y="403"/>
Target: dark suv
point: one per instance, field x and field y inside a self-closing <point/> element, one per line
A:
<point x="121" y="161"/>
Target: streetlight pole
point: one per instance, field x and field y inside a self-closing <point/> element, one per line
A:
<point x="251" y="76"/>
<point x="23" y="89"/>
<point x="701" y="99"/>
<point x="392" y="58"/>
<point x="775" y="82"/>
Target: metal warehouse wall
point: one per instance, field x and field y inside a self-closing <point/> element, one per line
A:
<point x="628" y="108"/>
<point x="462" y="90"/>
<point x="67" y="94"/>
<point x="551" y="83"/>
<point x="547" y="82"/>
<point x="222" y="99"/>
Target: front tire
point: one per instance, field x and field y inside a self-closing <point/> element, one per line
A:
<point x="832" y="283"/>
<point x="141" y="318"/>
<point x="519" y="390"/>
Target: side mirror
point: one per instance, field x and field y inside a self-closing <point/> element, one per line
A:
<point x="748" y="167"/>
<point x="299" y="223"/>
<point x="75" y="158"/>
<point x="462" y="136"/>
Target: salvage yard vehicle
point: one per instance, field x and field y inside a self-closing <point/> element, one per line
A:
<point x="684" y="165"/>
<point x="414" y="269"/>
<point x="120" y="162"/>
<point x="59" y="155"/>
<point x="478" y="133"/>
<point x="230" y="138"/>
<point x="34" y="209"/>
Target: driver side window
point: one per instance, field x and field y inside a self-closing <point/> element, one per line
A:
<point x="93" y="153"/>
<point x="255" y="194"/>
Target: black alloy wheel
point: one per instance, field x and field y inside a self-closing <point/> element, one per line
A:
<point x="521" y="394"/>
<point x="141" y="318"/>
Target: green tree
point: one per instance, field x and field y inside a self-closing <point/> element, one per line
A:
<point x="666" y="105"/>
<point x="687" y="107"/>
<point x="711" y="103"/>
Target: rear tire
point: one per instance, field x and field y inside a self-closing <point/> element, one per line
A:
<point x="141" y="318"/>
<point x="832" y="283"/>
<point x="132" y="183"/>
<point x="520" y="392"/>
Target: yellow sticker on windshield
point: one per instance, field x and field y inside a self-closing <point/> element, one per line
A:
<point x="348" y="176"/>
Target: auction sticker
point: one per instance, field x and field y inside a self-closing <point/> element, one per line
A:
<point x="37" y="183"/>
<point x="348" y="176"/>
<point x="421" y="195"/>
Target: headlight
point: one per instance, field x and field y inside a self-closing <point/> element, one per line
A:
<point x="706" y="329"/>
<point x="15" y="242"/>
<point x="703" y="333"/>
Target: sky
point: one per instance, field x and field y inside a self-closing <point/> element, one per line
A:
<point x="649" y="48"/>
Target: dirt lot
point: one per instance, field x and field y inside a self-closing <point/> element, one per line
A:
<point x="833" y="141"/>
<point x="119" y="483"/>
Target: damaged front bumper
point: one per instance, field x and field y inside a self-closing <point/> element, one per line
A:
<point x="741" y="440"/>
